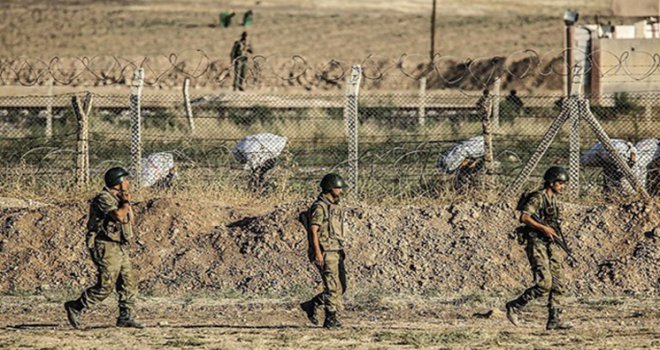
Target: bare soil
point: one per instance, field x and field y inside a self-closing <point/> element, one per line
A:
<point x="220" y="277"/>
<point x="404" y="322"/>
<point x="186" y="245"/>
<point x="116" y="36"/>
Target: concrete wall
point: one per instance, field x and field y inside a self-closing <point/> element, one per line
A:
<point x="636" y="8"/>
<point x="638" y="70"/>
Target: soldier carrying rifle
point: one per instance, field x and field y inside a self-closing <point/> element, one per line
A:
<point x="542" y="238"/>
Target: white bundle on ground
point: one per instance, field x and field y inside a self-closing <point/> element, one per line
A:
<point x="454" y="157"/>
<point x="155" y="167"/>
<point x="255" y="150"/>
<point x="597" y="156"/>
<point x="648" y="150"/>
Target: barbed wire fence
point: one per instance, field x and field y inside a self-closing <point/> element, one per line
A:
<point x="426" y="142"/>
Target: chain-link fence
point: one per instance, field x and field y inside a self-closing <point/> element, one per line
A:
<point x="409" y="144"/>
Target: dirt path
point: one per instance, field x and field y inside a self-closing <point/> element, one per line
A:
<point x="37" y="322"/>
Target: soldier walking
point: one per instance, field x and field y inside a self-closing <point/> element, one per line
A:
<point x="542" y="253"/>
<point x="239" y="58"/>
<point x="109" y="232"/>
<point x="326" y="250"/>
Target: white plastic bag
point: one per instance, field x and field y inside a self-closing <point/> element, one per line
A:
<point x="470" y="148"/>
<point x="648" y="150"/>
<point x="253" y="151"/>
<point x="597" y="155"/>
<point x="155" y="167"/>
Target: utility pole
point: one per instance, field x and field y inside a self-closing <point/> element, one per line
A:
<point x="433" y="32"/>
<point x="570" y="18"/>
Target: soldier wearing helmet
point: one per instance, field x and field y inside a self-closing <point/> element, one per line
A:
<point x="326" y="250"/>
<point x="542" y="254"/>
<point x="109" y="232"/>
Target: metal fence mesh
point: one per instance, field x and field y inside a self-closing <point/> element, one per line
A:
<point x="410" y="144"/>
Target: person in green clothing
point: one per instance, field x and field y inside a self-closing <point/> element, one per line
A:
<point x="247" y="18"/>
<point x="542" y="253"/>
<point x="225" y="18"/>
<point x="326" y="250"/>
<point x="109" y="233"/>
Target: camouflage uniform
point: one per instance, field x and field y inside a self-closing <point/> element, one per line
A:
<point x="108" y="241"/>
<point x="330" y="219"/>
<point x="543" y="256"/>
<point x="239" y="57"/>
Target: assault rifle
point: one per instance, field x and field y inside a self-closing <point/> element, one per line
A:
<point x="561" y="241"/>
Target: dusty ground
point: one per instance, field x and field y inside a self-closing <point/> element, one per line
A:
<point x="203" y="245"/>
<point x="407" y="322"/>
<point x="372" y="33"/>
<point x="218" y="276"/>
<point x="339" y="29"/>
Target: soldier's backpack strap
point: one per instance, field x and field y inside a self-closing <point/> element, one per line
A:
<point x="522" y="200"/>
<point x="305" y="218"/>
<point x="520" y="233"/>
<point x="326" y="209"/>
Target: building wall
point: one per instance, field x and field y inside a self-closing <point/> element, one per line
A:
<point x="636" y="8"/>
<point x="628" y="65"/>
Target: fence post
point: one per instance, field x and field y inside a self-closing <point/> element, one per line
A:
<point x="351" y="121"/>
<point x="574" y="149"/>
<point x="82" y="110"/>
<point x="187" y="106"/>
<point x="607" y="143"/>
<point x="495" y="120"/>
<point x="486" y="125"/>
<point x="550" y="134"/>
<point x="49" y="110"/>
<point x="422" y="102"/>
<point x="136" y="125"/>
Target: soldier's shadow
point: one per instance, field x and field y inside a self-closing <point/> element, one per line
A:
<point x="29" y="326"/>
<point x="230" y="326"/>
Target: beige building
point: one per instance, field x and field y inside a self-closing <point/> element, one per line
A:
<point x="636" y="8"/>
<point x="613" y="59"/>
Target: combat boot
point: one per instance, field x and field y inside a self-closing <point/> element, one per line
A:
<point x="125" y="319"/>
<point x="554" y="322"/>
<point x="310" y="307"/>
<point x="512" y="312"/>
<point x="331" y="320"/>
<point x="73" y="311"/>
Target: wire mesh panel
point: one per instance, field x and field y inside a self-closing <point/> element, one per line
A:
<point x="411" y="144"/>
<point x="31" y="154"/>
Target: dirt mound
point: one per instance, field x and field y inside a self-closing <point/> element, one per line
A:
<point x="185" y="245"/>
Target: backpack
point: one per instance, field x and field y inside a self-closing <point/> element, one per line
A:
<point x="520" y="232"/>
<point x="304" y="217"/>
<point x="524" y="198"/>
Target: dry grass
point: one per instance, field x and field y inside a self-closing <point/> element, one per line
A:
<point x="396" y="322"/>
<point x="347" y="30"/>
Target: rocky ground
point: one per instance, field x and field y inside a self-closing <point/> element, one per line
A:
<point x="216" y="276"/>
<point x="186" y="245"/>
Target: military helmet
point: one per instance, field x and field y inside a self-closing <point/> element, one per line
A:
<point x="331" y="181"/>
<point x="555" y="173"/>
<point x="115" y="176"/>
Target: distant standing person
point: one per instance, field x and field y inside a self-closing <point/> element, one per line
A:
<point x="514" y="102"/>
<point x="247" y="18"/>
<point x="109" y="233"/>
<point x="225" y="18"/>
<point x="239" y="57"/>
